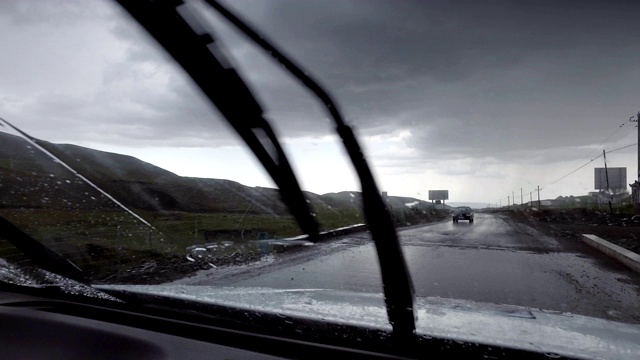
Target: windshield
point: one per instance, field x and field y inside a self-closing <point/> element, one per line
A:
<point x="499" y="135"/>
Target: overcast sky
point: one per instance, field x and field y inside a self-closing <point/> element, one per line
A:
<point x="477" y="97"/>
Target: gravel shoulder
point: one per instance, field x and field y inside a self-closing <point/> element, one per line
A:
<point x="620" y="229"/>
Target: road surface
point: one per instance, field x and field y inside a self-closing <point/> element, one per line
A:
<point x="492" y="260"/>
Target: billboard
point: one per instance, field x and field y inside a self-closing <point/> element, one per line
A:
<point x="617" y="178"/>
<point x="438" y="194"/>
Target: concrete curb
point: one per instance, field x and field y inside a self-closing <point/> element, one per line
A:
<point x="279" y="245"/>
<point x="628" y="258"/>
<point x="284" y="244"/>
<point x="342" y="231"/>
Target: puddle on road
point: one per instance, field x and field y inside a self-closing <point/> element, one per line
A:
<point x="354" y="269"/>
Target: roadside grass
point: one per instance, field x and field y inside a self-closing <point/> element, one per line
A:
<point x="112" y="246"/>
<point x="69" y="231"/>
<point x="84" y="235"/>
<point x="186" y="229"/>
<point x="332" y="218"/>
<point x="114" y="239"/>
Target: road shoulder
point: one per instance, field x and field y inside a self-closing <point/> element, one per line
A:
<point x="628" y="258"/>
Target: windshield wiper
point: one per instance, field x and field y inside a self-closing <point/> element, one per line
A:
<point x="396" y="280"/>
<point x="199" y="55"/>
<point x="224" y="87"/>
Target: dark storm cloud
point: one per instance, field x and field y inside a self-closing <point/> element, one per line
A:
<point x="470" y="77"/>
<point x="86" y="68"/>
<point x="60" y="13"/>
<point x="465" y="78"/>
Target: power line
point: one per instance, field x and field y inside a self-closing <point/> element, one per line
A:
<point x="624" y="147"/>
<point x="605" y="140"/>
<point x="594" y="149"/>
<point x="590" y="161"/>
<point x="580" y="167"/>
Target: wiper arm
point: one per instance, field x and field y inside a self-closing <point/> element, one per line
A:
<point x="200" y="57"/>
<point x="225" y="89"/>
<point x="396" y="280"/>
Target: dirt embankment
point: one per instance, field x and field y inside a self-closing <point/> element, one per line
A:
<point x="620" y="229"/>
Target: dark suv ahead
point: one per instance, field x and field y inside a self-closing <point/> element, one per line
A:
<point x="462" y="213"/>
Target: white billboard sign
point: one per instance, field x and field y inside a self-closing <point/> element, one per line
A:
<point x="438" y="194"/>
<point x="617" y="178"/>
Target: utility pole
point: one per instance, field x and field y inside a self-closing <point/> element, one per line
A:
<point x="606" y="173"/>
<point x="538" y="197"/>
<point x="530" y="199"/>
<point x="635" y="187"/>
<point x="508" y="203"/>
<point x="513" y="198"/>
<point x="521" y="202"/>
<point x="637" y="120"/>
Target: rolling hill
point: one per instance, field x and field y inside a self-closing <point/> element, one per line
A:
<point x="31" y="179"/>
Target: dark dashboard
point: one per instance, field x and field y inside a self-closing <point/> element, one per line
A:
<point x="36" y="327"/>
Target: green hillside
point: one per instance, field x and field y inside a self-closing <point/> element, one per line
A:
<point x="119" y="206"/>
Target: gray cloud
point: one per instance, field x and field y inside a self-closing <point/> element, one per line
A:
<point x="490" y="81"/>
<point x="100" y="78"/>
<point x="474" y="77"/>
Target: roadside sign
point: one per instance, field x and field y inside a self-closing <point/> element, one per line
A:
<point x="438" y="194"/>
<point x="617" y="178"/>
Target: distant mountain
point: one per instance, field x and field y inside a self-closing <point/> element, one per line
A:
<point x="133" y="182"/>
<point x="31" y="179"/>
<point x="354" y="199"/>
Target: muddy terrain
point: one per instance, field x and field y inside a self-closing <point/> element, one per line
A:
<point x="620" y="229"/>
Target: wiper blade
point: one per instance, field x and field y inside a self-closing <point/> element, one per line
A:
<point x="225" y="89"/>
<point x="396" y="280"/>
<point x="200" y="57"/>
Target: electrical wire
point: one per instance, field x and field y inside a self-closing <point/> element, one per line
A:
<point x="588" y="162"/>
<point x="605" y="140"/>
<point x="572" y="172"/>
<point x="579" y="168"/>
<point x="621" y="148"/>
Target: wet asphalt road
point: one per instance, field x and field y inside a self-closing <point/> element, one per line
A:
<point x="492" y="260"/>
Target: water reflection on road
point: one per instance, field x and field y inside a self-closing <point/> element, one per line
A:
<point x="492" y="260"/>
